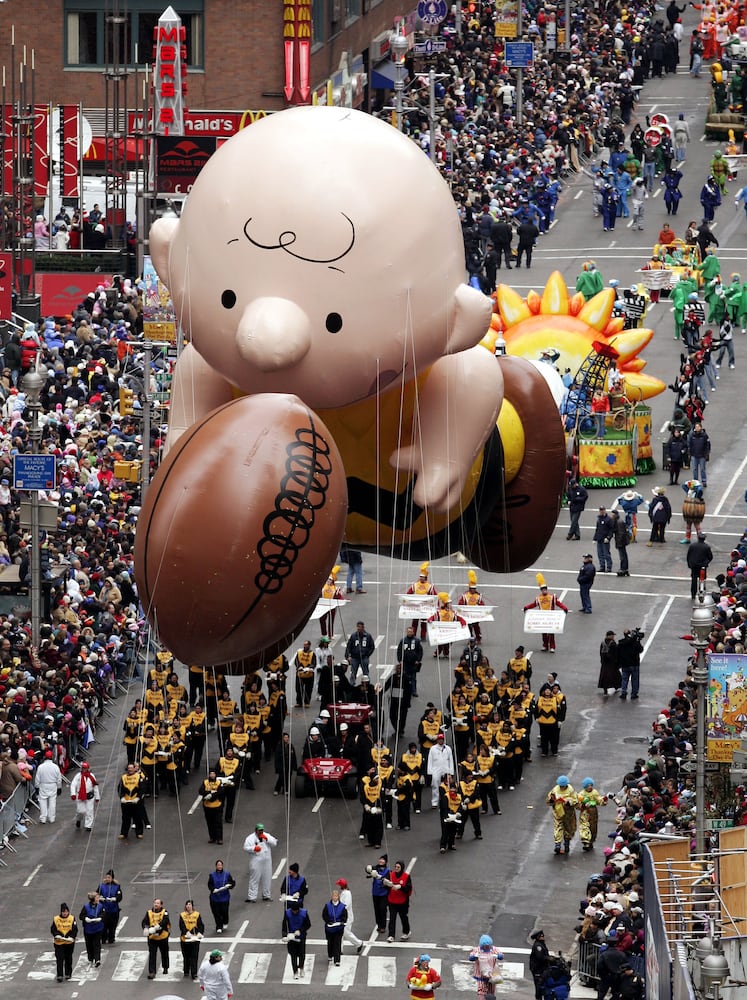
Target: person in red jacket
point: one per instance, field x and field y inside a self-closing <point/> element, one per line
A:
<point x="399" y="885"/>
<point x="422" y="980"/>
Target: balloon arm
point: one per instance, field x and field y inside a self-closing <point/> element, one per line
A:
<point x="196" y="390"/>
<point x="470" y="320"/>
<point x="459" y="404"/>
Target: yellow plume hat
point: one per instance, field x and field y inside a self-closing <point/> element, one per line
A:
<point x="443" y="597"/>
<point x="424" y="569"/>
<point x="541" y="582"/>
<point x="472" y="578"/>
<point x="334" y="571"/>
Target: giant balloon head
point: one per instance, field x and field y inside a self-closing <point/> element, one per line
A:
<point x="313" y="243"/>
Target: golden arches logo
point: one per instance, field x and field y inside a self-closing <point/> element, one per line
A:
<point x="250" y="117"/>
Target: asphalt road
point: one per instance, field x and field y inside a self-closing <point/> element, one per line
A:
<point x="508" y="883"/>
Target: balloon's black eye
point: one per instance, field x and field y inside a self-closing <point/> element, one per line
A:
<point x="334" y="322"/>
<point x="228" y="299"/>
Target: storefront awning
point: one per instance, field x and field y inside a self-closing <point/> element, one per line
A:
<point x="384" y="75"/>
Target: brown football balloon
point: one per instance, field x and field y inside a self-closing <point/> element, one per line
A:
<point x="239" y="528"/>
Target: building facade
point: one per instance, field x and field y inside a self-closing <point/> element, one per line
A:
<point x="234" y="49"/>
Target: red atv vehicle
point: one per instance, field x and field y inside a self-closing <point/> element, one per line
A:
<point x="355" y="714"/>
<point x="324" y="775"/>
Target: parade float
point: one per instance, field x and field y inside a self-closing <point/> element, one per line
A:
<point x="584" y="340"/>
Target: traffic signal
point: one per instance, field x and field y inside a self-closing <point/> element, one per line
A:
<point x="126" y="402"/>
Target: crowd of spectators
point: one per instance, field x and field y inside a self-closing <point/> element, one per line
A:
<point x="658" y="797"/>
<point x="90" y="631"/>
<point x="507" y="164"/>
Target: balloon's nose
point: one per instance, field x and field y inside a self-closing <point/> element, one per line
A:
<point x="273" y="334"/>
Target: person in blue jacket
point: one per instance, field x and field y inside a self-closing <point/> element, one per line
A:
<point x="294" y="884"/>
<point x="334" y="915"/>
<point x="110" y="894"/>
<point x="296" y="924"/>
<point x="220" y="884"/>
<point x="92" y="918"/>
<point x="379" y="891"/>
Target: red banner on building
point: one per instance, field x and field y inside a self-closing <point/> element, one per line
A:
<point x="6" y="285"/>
<point x="70" y="149"/>
<point x="7" y="149"/>
<point x="41" y="150"/>
<point x="61" y="294"/>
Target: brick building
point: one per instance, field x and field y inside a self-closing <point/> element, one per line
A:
<point x="235" y="49"/>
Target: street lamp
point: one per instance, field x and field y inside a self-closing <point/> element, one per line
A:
<point x="32" y="384"/>
<point x="714" y="969"/>
<point x="399" y="47"/>
<point x="701" y="623"/>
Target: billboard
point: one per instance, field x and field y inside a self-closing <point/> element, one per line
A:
<point x="179" y="161"/>
<point x="726" y="704"/>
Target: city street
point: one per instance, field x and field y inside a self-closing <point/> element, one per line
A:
<point x="510" y="882"/>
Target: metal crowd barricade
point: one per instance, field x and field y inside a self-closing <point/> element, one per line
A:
<point x="586" y="963"/>
<point x="587" y="954"/>
<point x="11" y="817"/>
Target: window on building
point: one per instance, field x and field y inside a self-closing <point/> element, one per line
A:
<point x="352" y="9"/>
<point x="318" y="22"/>
<point x="89" y="40"/>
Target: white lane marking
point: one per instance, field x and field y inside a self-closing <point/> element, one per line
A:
<point x="280" y="868"/>
<point x="10" y="963"/>
<point x="157" y="863"/>
<point x="45" y="967"/>
<point x="730" y="487"/>
<point x="129" y="967"/>
<point x="318" y="804"/>
<point x="411" y="864"/>
<point x="237" y="937"/>
<point x="193" y="807"/>
<point x="657" y="192"/>
<point x="657" y="626"/>
<point x="254" y="967"/>
<point x="342" y="975"/>
<point x="579" y="194"/>
<point x="382" y="971"/>
<point x="308" y="970"/>
<point x="31" y="876"/>
<point x="84" y="972"/>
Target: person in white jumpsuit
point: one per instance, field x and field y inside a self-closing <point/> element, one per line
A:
<point x="440" y="762"/>
<point x="258" y="846"/>
<point x="214" y="978"/>
<point x="85" y="793"/>
<point x="48" y="781"/>
<point x="346" y="898"/>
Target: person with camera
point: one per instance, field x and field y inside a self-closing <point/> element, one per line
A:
<point x="629" y="650"/>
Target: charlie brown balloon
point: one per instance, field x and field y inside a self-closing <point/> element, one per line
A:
<point x="320" y="254"/>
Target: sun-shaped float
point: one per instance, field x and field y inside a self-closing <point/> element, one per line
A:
<point x="566" y="322"/>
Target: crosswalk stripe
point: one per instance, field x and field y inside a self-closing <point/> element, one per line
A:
<point x="386" y="971"/>
<point x="462" y="973"/>
<point x="342" y="974"/>
<point x="10" y="963"/>
<point x="254" y="967"/>
<point x="308" y="970"/>
<point x="129" y="967"/>
<point x="45" y="967"/>
<point x="382" y="971"/>
<point x="83" y="971"/>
